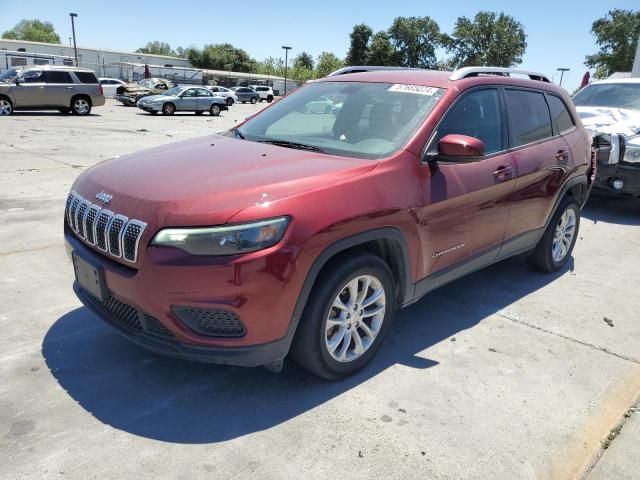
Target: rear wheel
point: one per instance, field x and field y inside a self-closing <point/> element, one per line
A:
<point x="168" y="109"/>
<point x="554" y="248"/>
<point x="347" y="317"/>
<point x="215" y="110"/>
<point x="81" y="105"/>
<point x="6" y="107"/>
<point x="229" y="101"/>
<point x="254" y="100"/>
<point x="270" y="99"/>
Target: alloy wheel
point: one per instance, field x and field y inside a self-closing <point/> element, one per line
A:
<point x="563" y="235"/>
<point x="355" y="318"/>
<point x="81" y="106"/>
<point x="5" y="107"/>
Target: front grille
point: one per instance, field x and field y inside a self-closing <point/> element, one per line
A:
<point x="130" y="318"/>
<point x="213" y="322"/>
<point x="112" y="233"/>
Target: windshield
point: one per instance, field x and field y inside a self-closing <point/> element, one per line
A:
<point x="9" y="75"/>
<point x="612" y="95"/>
<point x="172" y="92"/>
<point x="364" y="120"/>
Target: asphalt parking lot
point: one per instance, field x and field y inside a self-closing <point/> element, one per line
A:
<point x="506" y="373"/>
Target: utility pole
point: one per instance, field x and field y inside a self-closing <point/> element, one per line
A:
<point x="562" y="70"/>
<point x="286" y="60"/>
<point x="73" y="29"/>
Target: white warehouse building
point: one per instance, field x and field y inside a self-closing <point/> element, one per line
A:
<point x="106" y="63"/>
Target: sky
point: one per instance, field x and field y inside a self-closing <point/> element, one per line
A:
<point x="558" y="32"/>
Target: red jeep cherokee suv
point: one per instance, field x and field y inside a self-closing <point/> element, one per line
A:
<point x="303" y="229"/>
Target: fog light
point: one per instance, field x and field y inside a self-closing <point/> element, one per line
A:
<point x="617" y="184"/>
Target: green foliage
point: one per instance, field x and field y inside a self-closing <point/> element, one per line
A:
<point x="33" y="31"/>
<point x="220" y="56"/>
<point x="327" y="63"/>
<point x="415" y="40"/>
<point x="157" y="48"/>
<point x="359" y="50"/>
<point x="617" y="35"/>
<point x="489" y="40"/>
<point x="303" y="61"/>
<point x="381" y="51"/>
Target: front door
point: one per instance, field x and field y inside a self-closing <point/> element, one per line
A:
<point x="189" y="101"/>
<point x="466" y="202"/>
<point x="30" y="92"/>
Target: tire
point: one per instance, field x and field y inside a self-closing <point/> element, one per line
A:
<point x="6" y="107"/>
<point x="270" y="99"/>
<point x="327" y="109"/>
<point x="310" y="348"/>
<point x="229" y="101"/>
<point x="254" y="100"/>
<point x="199" y="112"/>
<point x="168" y="108"/>
<point x="215" y="110"/>
<point x="551" y="253"/>
<point x="81" y="105"/>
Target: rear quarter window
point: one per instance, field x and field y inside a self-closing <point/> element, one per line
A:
<point x="560" y="113"/>
<point x="86" y="77"/>
<point x="529" y="118"/>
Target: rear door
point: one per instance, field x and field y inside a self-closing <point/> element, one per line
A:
<point x="542" y="159"/>
<point x="59" y="88"/>
<point x="466" y="202"/>
<point x="203" y="99"/>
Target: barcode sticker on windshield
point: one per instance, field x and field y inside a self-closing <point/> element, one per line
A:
<point x="417" y="89"/>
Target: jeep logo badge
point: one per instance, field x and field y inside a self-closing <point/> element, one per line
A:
<point x="104" y="197"/>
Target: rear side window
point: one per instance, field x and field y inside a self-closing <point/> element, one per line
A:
<point x="86" y="77"/>
<point x="560" y="114"/>
<point x="477" y="115"/>
<point x="56" y="77"/>
<point x="529" y="119"/>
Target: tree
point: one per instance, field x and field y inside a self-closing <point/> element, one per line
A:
<point x="415" y="40"/>
<point x="33" y="31"/>
<point x="220" y="56"/>
<point x="381" y="52"/>
<point x="617" y="35"/>
<point x="157" y="48"/>
<point x="327" y="63"/>
<point x="359" y="49"/>
<point x="489" y="40"/>
<point x="304" y="61"/>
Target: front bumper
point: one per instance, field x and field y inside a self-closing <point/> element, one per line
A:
<point x="629" y="174"/>
<point x="259" y="289"/>
<point x="150" y="108"/>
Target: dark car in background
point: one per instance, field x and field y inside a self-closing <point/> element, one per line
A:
<point x="67" y="89"/>
<point x="246" y="94"/>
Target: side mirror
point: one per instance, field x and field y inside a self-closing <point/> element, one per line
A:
<point x="454" y="145"/>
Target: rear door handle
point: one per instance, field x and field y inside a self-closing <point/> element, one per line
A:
<point x="503" y="172"/>
<point x="562" y="156"/>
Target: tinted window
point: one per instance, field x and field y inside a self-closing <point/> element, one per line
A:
<point x="86" y="77"/>
<point x="560" y="113"/>
<point x="477" y="115"/>
<point x="57" y="77"/>
<point x="529" y="119"/>
<point x="245" y="90"/>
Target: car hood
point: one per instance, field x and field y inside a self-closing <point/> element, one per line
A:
<point x="154" y="98"/>
<point x="610" y="120"/>
<point x="206" y="181"/>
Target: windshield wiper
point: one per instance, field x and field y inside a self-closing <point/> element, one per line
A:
<point x="237" y="133"/>
<point x="296" y="145"/>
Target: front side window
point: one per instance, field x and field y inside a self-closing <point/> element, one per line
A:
<point x="366" y="120"/>
<point x="477" y="115"/>
<point x="32" y="76"/>
<point x="560" y="114"/>
<point x="203" y="92"/>
<point x="51" y="76"/>
<point x="529" y="119"/>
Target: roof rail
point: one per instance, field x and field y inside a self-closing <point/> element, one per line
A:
<point x="367" y="68"/>
<point x="466" y="72"/>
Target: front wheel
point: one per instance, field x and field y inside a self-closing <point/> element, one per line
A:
<point x="254" y="100"/>
<point x="6" y="107"/>
<point x="229" y="101"/>
<point x="168" y="109"/>
<point x="554" y="248"/>
<point x="347" y="317"/>
<point x="214" y="110"/>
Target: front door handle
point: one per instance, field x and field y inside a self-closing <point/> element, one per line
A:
<point x="503" y="172"/>
<point x="69" y="88"/>
<point x="562" y="156"/>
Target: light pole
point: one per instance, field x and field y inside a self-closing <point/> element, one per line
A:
<point x="286" y="60"/>
<point x="73" y="29"/>
<point x="562" y="70"/>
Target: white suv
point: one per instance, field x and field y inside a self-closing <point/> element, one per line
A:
<point x="266" y="93"/>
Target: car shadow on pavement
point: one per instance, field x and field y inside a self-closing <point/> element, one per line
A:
<point x="612" y="209"/>
<point x="171" y="400"/>
<point x="29" y="113"/>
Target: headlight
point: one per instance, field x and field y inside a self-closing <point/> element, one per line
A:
<point x="230" y="240"/>
<point x="632" y="150"/>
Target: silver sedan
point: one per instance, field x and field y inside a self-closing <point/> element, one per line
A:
<point x="183" y="99"/>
